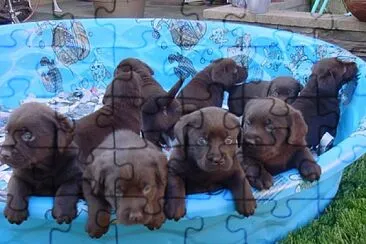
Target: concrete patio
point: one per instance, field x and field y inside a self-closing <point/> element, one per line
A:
<point x="292" y="15"/>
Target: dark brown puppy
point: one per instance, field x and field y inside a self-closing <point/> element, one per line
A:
<point x="128" y="174"/>
<point x="318" y="101"/>
<point x="205" y="160"/>
<point x="283" y="87"/>
<point x="274" y="141"/>
<point x="40" y="151"/>
<point x="207" y="87"/>
<point x="121" y="109"/>
<point x="160" y="110"/>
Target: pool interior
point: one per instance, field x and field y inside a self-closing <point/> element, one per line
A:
<point x="83" y="91"/>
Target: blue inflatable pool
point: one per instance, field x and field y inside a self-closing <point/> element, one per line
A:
<point x="42" y="60"/>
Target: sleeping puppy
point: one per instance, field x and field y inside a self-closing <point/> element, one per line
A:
<point x="160" y="110"/>
<point x="207" y="87"/>
<point x="128" y="174"/>
<point x="205" y="160"/>
<point x="318" y="101"/>
<point x="283" y="87"/>
<point x="274" y="141"/>
<point x="121" y="110"/>
<point x="39" y="148"/>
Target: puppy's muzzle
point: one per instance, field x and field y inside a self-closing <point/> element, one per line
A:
<point x="216" y="160"/>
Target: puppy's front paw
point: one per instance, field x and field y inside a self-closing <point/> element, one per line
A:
<point x="63" y="214"/>
<point x="246" y="206"/>
<point x="15" y="216"/>
<point x="94" y="230"/>
<point x="175" y="208"/>
<point x="156" y="222"/>
<point x="262" y="181"/>
<point x="310" y="171"/>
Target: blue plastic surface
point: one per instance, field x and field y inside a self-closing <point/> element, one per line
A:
<point x="87" y="56"/>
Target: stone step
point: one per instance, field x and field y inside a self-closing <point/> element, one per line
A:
<point x="287" y="18"/>
<point x="344" y="31"/>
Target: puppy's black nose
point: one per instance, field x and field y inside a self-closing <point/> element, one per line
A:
<point x="5" y="154"/>
<point x="218" y="162"/>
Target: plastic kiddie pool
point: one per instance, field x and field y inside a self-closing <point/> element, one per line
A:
<point x="45" y="58"/>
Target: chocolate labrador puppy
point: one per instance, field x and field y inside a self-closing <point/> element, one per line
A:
<point x="205" y="160"/>
<point x="283" y="87"/>
<point x="274" y="141"/>
<point x="128" y="174"/>
<point x="160" y="110"/>
<point x="207" y="87"/>
<point x="121" y="109"/>
<point x="318" y="101"/>
<point x="39" y="148"/>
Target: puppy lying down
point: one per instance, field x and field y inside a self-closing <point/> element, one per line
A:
<point x="284" y="87"/>
<point x="39" y="148"/>
<point x="204" y="159"/>
<point x="274" y="141"/>
<point x="128" y="174"/>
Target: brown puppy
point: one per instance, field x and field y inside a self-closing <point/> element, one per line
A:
<point x="205" y="160"/>
<point x="318" y="101"/>
<point x="283" y="87"/>
<point x="160" y="110"/>
<point x="38" y="146"/>
<point x="121" y="110"/>
<point x="274" y="141"/>
<point x="207" y="87"/>
<point x="128" y="174"/>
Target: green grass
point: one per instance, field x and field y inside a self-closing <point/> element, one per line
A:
<point x="344" y="220"/>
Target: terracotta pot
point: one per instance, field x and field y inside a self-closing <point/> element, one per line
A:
<point x="357" y="8"/>
<point x="119" y="8"/>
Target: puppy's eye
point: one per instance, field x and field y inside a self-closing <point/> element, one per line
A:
<point x="228" y="140"/>
<point x="275" y="93"/>
<point x="27" y="136"/>
<point x="202" y="141"/>
<point x="269" y="126"/>
<point x="235" y="71"/>
<point x="147" y="189"/>
<point x="247" y="122"/>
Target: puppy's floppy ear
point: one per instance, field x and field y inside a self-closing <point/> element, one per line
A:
<point x="148" y="67"/>
<point x="65" y="132"/>
<point x="180" y="128"/>
<point x="95" y="174"/>
<point x="298" y="128"/>
<point x="160" y="165"/>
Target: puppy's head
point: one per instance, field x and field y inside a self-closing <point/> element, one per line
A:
<point x="227" y="72"/>
<point x="270" y="127"/>
<point x="132" y="180"/>
<point x="209" y="137"/>
<point x="136" y="65"/>
<point x="124" y="90"/>
<point x="285" y="88"/>
<point x="35" y="135"/>
<point x="331" y="74"/>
